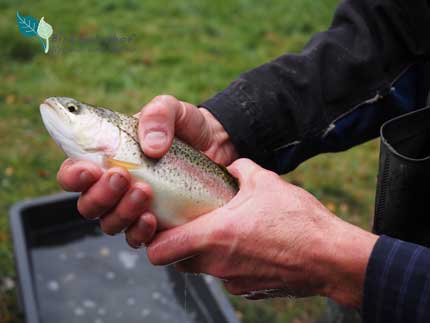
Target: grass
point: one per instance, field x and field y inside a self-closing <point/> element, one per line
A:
<point x="190" y="49"/>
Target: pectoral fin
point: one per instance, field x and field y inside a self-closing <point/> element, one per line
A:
<point x="110" y="162"/>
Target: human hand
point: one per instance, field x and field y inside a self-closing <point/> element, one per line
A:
<point x="122" y="204"/>
<point x="273" y="239"/>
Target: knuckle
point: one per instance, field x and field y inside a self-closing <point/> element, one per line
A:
<point x="267" y="175"/>
<point x="164" y="98"/>
<point x="220" y="233"/>
<point x="217" y="234"/>
<point x="243" y="162"/>
<point x="98" y="203"/>
<point x="156" y="109"/>
<point x="107" y="228"/>
<point x="125" y="217"/>
<point x="263" y="177"/>
<point x="63" y="182"/>
<point x="82" y="208"/>
<point x="160" y="105"/>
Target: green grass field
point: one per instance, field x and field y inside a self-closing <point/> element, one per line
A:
<point x="190" y="49"/>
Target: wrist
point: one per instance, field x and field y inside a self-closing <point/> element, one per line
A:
<point x="220" y="140"/>
<point x="344" y="259"/>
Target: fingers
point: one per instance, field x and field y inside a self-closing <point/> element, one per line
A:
<point x="104" y="194"/>
<point x="268" y="293"/>
<point x="128" y="209"/>
<point x="251" y="286"/>
<point x="243" y="169"/>
<point x="77" y="176"/>
<point x="182" y="242"/>
<point x="142" y="231"/>
<point x="163" y="118"/>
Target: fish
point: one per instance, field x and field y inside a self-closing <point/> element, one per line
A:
<point x="185" y="183"/>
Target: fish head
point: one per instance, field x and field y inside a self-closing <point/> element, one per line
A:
<point x="82" y="131"/>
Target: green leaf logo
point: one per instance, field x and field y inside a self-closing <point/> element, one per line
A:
<point x="27" y="25"/>
<point x="30" y="27"/>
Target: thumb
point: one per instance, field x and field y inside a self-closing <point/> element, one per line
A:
<point x="163" y="118"/>
<point x="243" y="169"/>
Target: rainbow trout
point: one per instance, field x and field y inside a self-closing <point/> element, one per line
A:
<point x="185" y="182"/>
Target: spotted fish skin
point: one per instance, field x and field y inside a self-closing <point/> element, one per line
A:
<point x="185" y="182"/>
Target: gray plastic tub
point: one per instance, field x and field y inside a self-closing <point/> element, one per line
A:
<point x="70" y="272"/>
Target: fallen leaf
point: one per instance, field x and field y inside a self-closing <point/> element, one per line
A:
<point x="9" y="171"/>
<point x="331" y="206"/>
<point x="344" y="207"/>
<point x="10" y="99"/>
<point x="42" y="173"/>
<point x="10" y="77"/>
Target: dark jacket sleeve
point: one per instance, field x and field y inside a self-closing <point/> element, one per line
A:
<point x="297" y="98"/>
<point x="397" y="285"/>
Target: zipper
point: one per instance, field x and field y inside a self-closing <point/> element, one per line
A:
<point x="381" y="197"/>
<point x="380" y="94"/>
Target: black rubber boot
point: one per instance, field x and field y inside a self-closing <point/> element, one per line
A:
<point x="402" y="208"/>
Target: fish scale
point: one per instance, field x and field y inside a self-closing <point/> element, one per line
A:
<point x="185" y="182"/>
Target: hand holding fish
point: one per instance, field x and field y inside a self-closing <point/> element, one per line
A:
<point x="268" y="239"/>
<point x="273" y="239"/>
<point x="123" y="204"/>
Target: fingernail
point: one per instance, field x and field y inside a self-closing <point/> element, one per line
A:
<point x="117" y="182"/>
<point x="135" y="244"/>
<point x="137" y="196"/>
<point x="155" y="139"/>
<point x="86" y="177"/>
<point x="143" y="225"/>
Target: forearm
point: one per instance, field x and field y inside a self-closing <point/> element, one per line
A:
<point x="296" y="98"/>
<point x="387" y="279"/>
<point x="343" y="260"/>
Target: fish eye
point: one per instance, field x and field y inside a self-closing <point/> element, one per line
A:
<point x="72" y="108"/>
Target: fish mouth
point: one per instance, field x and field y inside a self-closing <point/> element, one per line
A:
<point x="48" y="104"/>
<point x="53" y="119"/>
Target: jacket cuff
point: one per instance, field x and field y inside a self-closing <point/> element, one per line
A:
<point x="248" y="130"/>
<point x="397" y="283"/>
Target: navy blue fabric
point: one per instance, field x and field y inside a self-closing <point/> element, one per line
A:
<point x="358" y="126"/>
<point x="397" y="285"/>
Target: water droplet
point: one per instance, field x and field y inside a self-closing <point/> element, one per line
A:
<point x="104" y="252"/>
<point x="101" y="311"/>
<point x="8" y="284"/>
<point x="145" y="312"/>
<point x="80" y="255"/>
<point x="53" y="285"/>
<point x="69" y="277"/>
<point x="79" y="311"/>
<point x="128" y="259"/>
<point x="131" y="301"/>
<point x="89" y="303"/>
<point x="156" y="295"/>
<point x="110" y="275"/>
